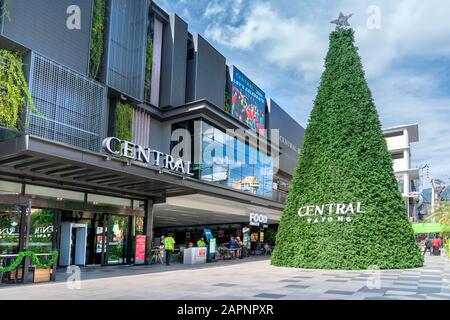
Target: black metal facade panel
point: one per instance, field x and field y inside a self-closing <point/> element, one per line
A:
<point x="291" y="136"/>
<point x="173" y="64"/>
<point x="210" y="73"/>
<point x="71" y="107"/>
<point x="41" y="25"/>
<point x="126" y="46"/>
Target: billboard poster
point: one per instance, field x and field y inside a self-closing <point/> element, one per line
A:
<point x="139" y="257"/>
<point x="248" y="102"/>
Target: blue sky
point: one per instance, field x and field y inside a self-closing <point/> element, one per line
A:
<point x="281" y="44"/>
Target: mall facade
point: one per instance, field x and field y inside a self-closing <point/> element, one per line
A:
<point x="137" y="129"/>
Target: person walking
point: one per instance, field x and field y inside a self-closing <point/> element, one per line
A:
<point x="427" y="246"/>
<point x="169" y="243"/>
<point x="437" y="244"/>
<point x="233" y="246"/>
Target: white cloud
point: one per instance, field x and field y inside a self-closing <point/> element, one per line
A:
<point x="281" y="44"/>
<point x="282" y="41"/>
<point x="213" y="9"/>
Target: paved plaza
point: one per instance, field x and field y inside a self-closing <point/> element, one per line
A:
<point x="252" y="278"/>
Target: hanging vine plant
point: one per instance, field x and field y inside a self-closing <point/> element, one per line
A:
<point x="124" y="120"/>
<point x="14" y="90"/>
<point x="149" y="59"/>
<point x="4" y="12"/>
<point x="97" y="37"/>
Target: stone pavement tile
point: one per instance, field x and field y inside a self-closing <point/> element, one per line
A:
<point x="428" y="282"/>
<point x="359" y="279"/>
<point x="377" y="290"/>
<point x="340" y="292"/>
<point x="301" y="296"/>
<point x="224" y="285"/>
<point x="428" y="290"/>
<point x="401" y="278"/>
<point x="269" y="296"/>
<point x="406" y="297"/>
<point x="405" y="283"/>
<point x="296" y="286"/>
<point x="290" y="280"/>
<point x="336" y="280"/>
<point x="399" y="292"/>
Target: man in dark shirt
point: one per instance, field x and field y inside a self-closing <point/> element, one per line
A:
<point x="428" y="245"/>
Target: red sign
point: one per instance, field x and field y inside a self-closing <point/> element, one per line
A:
<point x="202" y="252"/>
<point x="139" y="256"/>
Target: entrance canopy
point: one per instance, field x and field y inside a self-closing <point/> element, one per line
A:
<point x="198" y="209"/>
<point x="35" y="160"/>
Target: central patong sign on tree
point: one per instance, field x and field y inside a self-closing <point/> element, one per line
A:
<point x="333" y="212"/>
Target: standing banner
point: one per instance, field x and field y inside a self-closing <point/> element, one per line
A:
<point x="139" y="256"/>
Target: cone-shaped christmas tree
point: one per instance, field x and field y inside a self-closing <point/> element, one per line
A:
<point x="344" y="210"/>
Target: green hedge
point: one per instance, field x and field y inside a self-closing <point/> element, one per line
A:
<point x="345" y="160"/>
<point x="123" y="121"/>
<point x="97" y="37"/>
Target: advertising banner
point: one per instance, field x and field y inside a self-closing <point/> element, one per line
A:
<point x="248" y="102"/>
<point x="139" y="257"/>
<point x="212" y="245"/>
<point x="202" y="252"/>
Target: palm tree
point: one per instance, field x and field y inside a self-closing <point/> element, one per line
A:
<point x="441" y="214"/>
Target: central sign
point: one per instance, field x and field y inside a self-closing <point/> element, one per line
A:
<point x="333" y="212"/>
<point x="128" y="150"/>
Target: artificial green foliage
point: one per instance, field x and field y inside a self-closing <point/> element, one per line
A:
<point x="34" y="261"/>
<point x="97" y="37"/>
<point x="345" y="160"/>
<point x="149" y="58"/>
<point x="14" y="90"/>
<point x="124" y="120"/>
<point x="228" y="102"/>
<point x="4" y="12"/>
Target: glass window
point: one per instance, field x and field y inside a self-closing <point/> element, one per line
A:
<point x="117" y="236"/>
<point x="53" y="193"/>
<point x="97" y="199"/>
<point x="8" y="188"/>
<point x="9" y="229"/>
<point x="138" y="226"/>
<point x="41" y="230"/>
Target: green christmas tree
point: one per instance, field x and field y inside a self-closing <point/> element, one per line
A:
<point x="344" y="210"/>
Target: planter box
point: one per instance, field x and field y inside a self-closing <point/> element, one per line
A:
<point x="42" y="275"/>
<point x="18" y="272"/>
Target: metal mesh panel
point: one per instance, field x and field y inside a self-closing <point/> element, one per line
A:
<point x="71" y="107"/>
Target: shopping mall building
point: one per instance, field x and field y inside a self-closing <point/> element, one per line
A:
<point x="141" y="129"/>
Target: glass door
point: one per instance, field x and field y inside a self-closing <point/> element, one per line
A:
<point x="117" y="235"/>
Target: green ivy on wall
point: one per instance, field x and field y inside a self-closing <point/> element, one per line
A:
<point x="14" y="90"/>
<point x="228" y="102"/>
<point x="149" y="59"/>
<point x="123" y="121"/>
<point x="345" y="160"/>
<point x="97" y="37"/>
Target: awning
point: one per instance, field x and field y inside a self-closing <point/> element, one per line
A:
<point x="429" y="228"/>
<point x="32" y="159"/>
